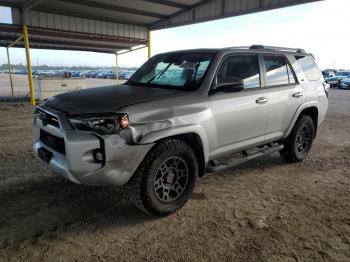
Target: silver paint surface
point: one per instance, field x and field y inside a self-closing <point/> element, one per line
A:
<point x="225" y="122"/>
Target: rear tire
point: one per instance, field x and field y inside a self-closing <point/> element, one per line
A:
<point x="298" y="144"/>
<point x="165" y="179"/>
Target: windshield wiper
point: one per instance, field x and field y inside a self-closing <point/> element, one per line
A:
<point x="194" y="75"/>
<point x="159" y="74"/>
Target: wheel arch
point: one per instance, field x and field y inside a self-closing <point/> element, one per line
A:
<point x="193" y="136"/>
<point x="313" y="113"/>
<point x="310" y="110"/>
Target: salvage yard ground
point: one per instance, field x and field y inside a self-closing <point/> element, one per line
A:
<point x="264" y="210"/>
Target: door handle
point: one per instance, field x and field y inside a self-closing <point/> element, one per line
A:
<point x="297" y="94"/>
<point x="261" y="100"/>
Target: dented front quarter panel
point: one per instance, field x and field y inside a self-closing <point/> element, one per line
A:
<point x="152" y="121"/>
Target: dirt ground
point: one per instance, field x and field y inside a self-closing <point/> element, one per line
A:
<point x="264" y="210"/>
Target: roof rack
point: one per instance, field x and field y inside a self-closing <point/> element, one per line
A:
<point x="277" y="48"/>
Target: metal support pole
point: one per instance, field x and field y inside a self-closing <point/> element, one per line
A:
<point x="10" y="69"/>
<point x="29" y="65"/>
<point x="116" y="68"/>
<point x="149" y="44"/>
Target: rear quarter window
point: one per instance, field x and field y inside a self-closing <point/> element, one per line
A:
<point x="309" y="67"/>
<point x="278" y="71"/>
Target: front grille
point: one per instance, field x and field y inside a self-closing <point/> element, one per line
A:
<point x="54" y="142"/>
<point x="48" y="119"/>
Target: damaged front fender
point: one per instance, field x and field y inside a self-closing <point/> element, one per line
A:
<point x="156" y="135"/>
<point x="183" y="121"/>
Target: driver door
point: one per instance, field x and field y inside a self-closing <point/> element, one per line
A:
<point x="240" y="117"/>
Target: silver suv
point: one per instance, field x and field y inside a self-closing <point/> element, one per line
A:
<point x="178" y="115"/>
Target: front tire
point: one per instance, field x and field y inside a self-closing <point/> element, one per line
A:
<point x="298" y="144"/>
<point x="165" y="179"/>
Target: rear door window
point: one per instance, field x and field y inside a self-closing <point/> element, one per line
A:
<point x="309" y="67"/>
<point x="278" y="71"/>
<point x="243" y="70"/>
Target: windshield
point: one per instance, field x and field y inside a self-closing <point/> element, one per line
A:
<point x="183" y="71"/>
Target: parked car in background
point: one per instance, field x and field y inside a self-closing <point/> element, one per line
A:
<point x="344" y="83"/>
<point x="125" y="75"/>
<point x="90" y="74"/>
<point x="101" y="74"/>
<point x="335" y="81"/>
<point x="75" y="74"/>
<point x="329" y="73"/>
<point x="110" y="75"/>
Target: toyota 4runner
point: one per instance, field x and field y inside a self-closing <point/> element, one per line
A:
<point x="178" y="115"/>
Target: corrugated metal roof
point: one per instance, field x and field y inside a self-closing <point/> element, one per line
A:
<point x="65" y="40"/>
<point x="118" y="24"/>
<point x="208" y="10"/>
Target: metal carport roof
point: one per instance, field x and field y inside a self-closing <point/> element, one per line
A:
<point x="65" y="40"/>
<point x="107" y="26"/>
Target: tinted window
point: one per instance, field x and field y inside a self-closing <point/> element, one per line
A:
<point x="309" y="67"/>
<point x="278" y="71"/>
<point x="240" y="69"/>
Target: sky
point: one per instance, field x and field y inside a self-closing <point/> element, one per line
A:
<point x="321" y="28"/>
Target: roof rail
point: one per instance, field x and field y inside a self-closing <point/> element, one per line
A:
<point x="239" y="47"/>
<point x="277" y="48"/>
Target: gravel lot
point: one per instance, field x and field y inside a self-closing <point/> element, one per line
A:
<point x="264" y="210"/>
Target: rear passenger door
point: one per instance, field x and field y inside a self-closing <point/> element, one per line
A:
<point x="240" y="117"/>
<point x="284" y="94"/>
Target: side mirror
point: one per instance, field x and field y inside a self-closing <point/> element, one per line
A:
<point x="228" y="85"/>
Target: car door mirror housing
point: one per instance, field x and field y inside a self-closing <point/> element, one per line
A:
<point x="228" y="85"/>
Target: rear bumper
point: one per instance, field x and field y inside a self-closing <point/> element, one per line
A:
<point x="77" y="162"/>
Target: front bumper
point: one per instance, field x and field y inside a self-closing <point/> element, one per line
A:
<point x="75" y="159"/>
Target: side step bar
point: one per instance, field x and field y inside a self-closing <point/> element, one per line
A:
<point x="264" y="151"/>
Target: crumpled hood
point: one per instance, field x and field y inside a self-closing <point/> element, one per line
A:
<point x="107" y="99"/>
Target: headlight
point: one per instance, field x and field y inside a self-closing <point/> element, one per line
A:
<point x="103" y="125"/>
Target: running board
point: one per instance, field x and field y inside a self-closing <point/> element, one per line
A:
<point x="264" y="151"/>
